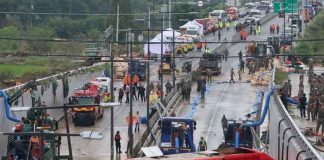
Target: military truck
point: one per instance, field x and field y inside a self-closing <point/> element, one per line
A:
<point x="212" y="61"/>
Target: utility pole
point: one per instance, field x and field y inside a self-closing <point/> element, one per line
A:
<point x="117" y="23"/>
<point x="170" y="14"/>
<point x="149" y="19"/>
<point x="130" y="129"/>
<point x="148" y="84"/>
<point x="70" y="9"/>
<point x="173" y="61"/>
<point x="112" y="99"/>
<point x="162" y="54"/>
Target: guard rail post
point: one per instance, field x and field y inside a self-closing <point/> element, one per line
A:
<point x="287" y="149"/>
<point x="279" y="137"/>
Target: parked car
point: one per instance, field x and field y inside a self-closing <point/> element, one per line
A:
<point x="242" y="12"/>
<point x="256" y="18"/>
<point x="292" y="31"/>
<point x="286" y="39"/>
<point x="248" y="21"/>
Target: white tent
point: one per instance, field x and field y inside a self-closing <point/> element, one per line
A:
<point x="155" y="46"/>
<point x="168" y="34"/>
<point x="194" y="25"/>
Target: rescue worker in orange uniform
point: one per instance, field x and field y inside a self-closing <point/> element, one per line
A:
<point x="126" y="80"/>
<point x="243" y="34"/>
<point x="135" y="80"/>
<point x="199" y="46"/>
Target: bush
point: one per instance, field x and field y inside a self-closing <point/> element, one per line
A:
<point x="6" y="75"/>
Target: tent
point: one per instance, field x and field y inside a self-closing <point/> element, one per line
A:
<point x="155" y="46"/>
<point x="168" y="34"/>
<point x="193" y="25"/>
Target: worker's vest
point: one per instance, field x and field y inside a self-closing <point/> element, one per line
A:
<point x="235" y="23"/>
<point x="228" y="24"/>
<point x="185" y="48"/>
<point x="258" y="29"/>
<point x="207" y="51"/>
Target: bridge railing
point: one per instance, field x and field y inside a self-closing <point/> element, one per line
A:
<point x="286" y="139"/>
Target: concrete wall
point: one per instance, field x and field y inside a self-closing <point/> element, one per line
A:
<point x="25" y="100"/>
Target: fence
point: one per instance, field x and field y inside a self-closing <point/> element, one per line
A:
<point x="286" y="139"/>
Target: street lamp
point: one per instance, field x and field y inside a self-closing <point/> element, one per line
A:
<point x="111" y="105"/>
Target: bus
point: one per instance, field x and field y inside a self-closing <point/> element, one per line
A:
<point x="177" y="135"/>
<point x="218" y="14"/>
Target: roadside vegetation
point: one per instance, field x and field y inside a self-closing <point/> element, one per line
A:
<point x="280" y="77"/>
<point x="314" y="30"/>
<point x="19" y="31"/>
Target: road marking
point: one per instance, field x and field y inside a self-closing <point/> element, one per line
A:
<point x="214" y="113"/>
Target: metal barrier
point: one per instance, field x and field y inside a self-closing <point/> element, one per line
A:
<point x="287" y="124"/>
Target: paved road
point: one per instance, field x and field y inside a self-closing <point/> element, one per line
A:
<point x="100" y="149"/>
<point x="233" y="100"/>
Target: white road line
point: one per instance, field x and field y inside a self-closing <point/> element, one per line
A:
<point x="214" y="113"/>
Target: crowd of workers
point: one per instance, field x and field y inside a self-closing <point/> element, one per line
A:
<point x="314" y="105"/>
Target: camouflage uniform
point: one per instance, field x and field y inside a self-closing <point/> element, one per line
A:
<point x="289" y="88"/>
<point x="320" y="119"/>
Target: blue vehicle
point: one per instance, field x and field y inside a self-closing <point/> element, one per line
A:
<point x="177" y="135"/>
<point x="139" y="68"/>
<point x="245" y="133"/>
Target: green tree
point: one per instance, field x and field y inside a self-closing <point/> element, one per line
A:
<point x="40" y="46"/>
<point x="93" y="34"/>
<point x="314" y="30"/>
<point x="8" y="45"/>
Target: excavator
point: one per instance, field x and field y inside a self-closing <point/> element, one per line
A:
<point x="37" y="121"/>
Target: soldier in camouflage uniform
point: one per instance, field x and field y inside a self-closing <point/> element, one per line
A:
<point x="285" y="89"/>
<point x="311" y="108"/>
<point x="320" y="119"/>
<point x="289" y="88"/>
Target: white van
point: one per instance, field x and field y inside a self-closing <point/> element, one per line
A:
<point x="102" y="82"/>
<point x="218" y="14"/>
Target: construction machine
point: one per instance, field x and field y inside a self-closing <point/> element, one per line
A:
<point x="89" y="94"/>
<point x="258" y="53"/>
<point x="166" y="67"/>
<point x="37" y="121"/>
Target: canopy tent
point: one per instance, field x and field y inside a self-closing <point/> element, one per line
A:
<point x="194" y="24"/>
<point x="155" y="46"/>
<point x="168" y="34"/>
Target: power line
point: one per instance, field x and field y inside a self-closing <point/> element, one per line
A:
<point x="92" y="41"/>
<point x="93" y="13"/>
<point x="127" y="59"/>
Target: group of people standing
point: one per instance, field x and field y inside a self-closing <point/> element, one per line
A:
<point x="138" y="89"/>
<point x="315" y="110"/>
<point x="274" y="28"/>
